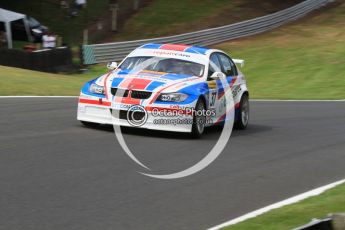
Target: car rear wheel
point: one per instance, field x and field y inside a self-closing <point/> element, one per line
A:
<point x="243" y="113"/>
<point x="199" y="119"/>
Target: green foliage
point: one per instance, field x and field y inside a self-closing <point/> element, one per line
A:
<point x="49" y="13"/>
<point x="300" y="61"/>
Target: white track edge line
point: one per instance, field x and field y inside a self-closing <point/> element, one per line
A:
<point x="280" y="204"/>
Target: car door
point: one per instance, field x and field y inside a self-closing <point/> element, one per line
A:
<point x="213" y="85"/>
<point x="230" y="70"/>
<point x="228" y="67"/>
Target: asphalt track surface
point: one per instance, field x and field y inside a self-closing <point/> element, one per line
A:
<point x="57" y="174"/>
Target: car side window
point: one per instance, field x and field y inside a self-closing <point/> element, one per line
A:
<point x="234" y="68"/>
<point x="214" y="65"/>
<point x="229" y="68"/>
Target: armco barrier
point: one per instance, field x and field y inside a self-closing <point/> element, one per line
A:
<point x="98" y="53"/>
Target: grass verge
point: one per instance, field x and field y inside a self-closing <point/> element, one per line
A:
<point x="304" y="60"/>
<point x="15" y="82"/>
<point x="165" y="17"/>
<point x="294" y="215"/>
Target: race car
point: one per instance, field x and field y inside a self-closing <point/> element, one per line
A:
<point x="169" y="87"/>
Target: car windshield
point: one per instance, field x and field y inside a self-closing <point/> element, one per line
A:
<point x="166" y="65"/>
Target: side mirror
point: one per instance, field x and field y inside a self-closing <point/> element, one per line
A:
<point x="217" y="76"/>
<point x="112" y="65"/>
<point x="239" y="62"/>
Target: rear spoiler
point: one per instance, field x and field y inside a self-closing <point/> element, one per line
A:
<point x="239" y="62"/>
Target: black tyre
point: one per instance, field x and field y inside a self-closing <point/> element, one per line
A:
<point x="243" y="113"/>
<point x="199" y="119"/>
<point x="89" y="124"/>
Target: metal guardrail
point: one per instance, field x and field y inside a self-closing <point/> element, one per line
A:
<point x="99" y="53"/>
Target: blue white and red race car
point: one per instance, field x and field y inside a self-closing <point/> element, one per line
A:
<point x="166" y="87"/>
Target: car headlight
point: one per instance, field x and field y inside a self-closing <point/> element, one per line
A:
<point x="94" y="88"/>
<point x="172" y="97"/>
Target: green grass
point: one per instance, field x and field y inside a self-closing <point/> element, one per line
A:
<point x="16" y="81"/>
<point x="294" y="215"/>
<point x="300" y="61"/>
<point x="304" y="60"/>
<point x="156" y="18"/>
<point x="166" y="17"/>
<point x="163" y="16"/>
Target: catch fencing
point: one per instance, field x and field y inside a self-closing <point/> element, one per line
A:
<point x="98" y="53"/>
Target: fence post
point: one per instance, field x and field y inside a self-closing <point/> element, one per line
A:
<point x="338" y="221"/>
<point x="114" y="8"/>
<point x="136" y="5"/>
<point x="85" y="36"/>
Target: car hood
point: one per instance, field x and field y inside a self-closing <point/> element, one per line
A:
<point x="147" y="80"/>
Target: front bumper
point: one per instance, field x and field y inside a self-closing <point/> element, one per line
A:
<point x="100" y="111"/>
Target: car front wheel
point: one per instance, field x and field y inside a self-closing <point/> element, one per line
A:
<point x="199" y="119"/>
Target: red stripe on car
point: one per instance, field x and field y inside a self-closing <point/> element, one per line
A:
<point x="95" y="102"/>
<point x="132" y="84"/>
<point x="174" y="47"/>
<point x="135" y="83"/>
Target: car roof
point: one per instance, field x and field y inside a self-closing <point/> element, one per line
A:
<point x="178" y="47"/>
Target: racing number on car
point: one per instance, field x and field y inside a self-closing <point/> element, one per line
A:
<point x="213" y="96"/>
